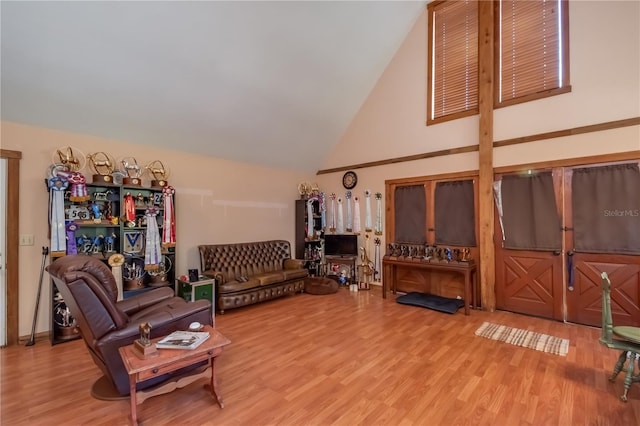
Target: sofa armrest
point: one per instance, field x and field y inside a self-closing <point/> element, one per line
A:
<point x="293" y="264"/>
<point x="138" y="302"/>
<point x="220" y="277"/>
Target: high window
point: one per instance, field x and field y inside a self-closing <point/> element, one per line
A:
<point x="531" y="56"/>
<point x="453" y="60"/>
<point x="532" y="44"/>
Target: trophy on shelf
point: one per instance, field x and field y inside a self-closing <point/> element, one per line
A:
<point x="133" y="274"/>
<point x="132" y="171"/>
<point x="159" y="277"/>
<point x="159" y="173"/>
<point x="66" y="165"/>
<point x="304" y="189"/>
<point x="102" y="165"/>
<point x="68" y="160"/>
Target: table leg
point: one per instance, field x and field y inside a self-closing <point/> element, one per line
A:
<point x="476" y="290"/>
<point x="467" y="292"/>
<point x="134" y="403"/>
<point x="215" y="390"/>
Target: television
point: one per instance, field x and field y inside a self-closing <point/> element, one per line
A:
<point x="340" y="245"/>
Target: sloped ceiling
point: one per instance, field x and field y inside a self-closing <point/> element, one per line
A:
<point x="271" y="83"/>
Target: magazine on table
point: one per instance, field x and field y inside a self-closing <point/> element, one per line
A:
<point x="183" y="340"/>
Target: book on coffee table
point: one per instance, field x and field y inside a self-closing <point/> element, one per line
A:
<point x="183" y="340"/>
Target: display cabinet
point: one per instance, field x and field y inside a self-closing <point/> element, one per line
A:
<point x="309" y="235"/>
<point x="111" y="219"/>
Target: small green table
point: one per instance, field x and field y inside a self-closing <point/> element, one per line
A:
<point x="204" y="288"/>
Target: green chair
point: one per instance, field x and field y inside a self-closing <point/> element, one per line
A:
<point x="622" y="338"/>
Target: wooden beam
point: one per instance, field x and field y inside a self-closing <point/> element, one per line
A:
<point x="598" y="127"/>
<point x="432" y="154"/>
<point x="485" y="155"/>
<point x="609" y="125"/>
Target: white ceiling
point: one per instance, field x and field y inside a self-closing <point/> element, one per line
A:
<point x="271" y="83"/>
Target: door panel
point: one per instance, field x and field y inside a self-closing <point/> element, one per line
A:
<point x="529" y="282"/>
<point x="584" y="302"/>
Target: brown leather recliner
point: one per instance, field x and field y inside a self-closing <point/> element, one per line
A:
<point x="89" y="290"/>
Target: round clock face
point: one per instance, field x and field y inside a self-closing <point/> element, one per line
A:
<point x="349" y="180"/>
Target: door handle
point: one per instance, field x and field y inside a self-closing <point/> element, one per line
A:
<point x="570" y="254"/>
<point x="557" y="252"/>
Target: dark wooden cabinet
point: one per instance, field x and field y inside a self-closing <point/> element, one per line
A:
<point x="309" y="235"/>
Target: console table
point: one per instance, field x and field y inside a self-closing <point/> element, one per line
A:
<point x="390" y="266"/>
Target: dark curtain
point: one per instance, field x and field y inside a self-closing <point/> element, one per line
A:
<point x="410" y="213"/>
<point x="455" y="213"/>
<point x="606" y="209"/>
<point x="530" y="216"/>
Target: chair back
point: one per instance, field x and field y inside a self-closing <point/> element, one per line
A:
<point x="607" y="321"/>
<point x="90" y="291"/>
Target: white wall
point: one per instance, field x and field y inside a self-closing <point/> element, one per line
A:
<point x="217" y="201"/>
<point x="605" y="79"/>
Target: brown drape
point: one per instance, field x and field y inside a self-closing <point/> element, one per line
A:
<point x="410" y="214"/>
<point x="530" y="216"/>
<point x="606" y="209"/>
<point x="455" y="213"/>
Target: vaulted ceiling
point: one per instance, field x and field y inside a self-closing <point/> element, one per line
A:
<point x="271" y="83"/>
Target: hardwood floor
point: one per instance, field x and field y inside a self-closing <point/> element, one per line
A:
<point x="344" y="359"/>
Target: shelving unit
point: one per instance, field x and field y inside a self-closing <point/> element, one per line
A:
<point x="101" y="229"/>
<point x="309" y="248"/>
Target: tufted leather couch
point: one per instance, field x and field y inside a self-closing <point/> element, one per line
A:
<point x="248" y="273"/>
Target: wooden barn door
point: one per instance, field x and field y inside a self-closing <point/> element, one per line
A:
<point x="602" y="213"/>
<point x="550" y="266"/>
<point x="529" y="244"/>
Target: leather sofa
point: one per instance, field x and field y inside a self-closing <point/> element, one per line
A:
<point x="248" y="273"/>
<point x="89" y="290"/>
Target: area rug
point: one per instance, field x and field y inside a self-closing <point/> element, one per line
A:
<point x="431" y="301"/>
<point x="524" y="338"/>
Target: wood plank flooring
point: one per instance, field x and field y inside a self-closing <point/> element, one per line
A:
<point x="344" y="359"/>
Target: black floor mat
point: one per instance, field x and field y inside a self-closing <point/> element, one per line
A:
<point x="431" y="301"/>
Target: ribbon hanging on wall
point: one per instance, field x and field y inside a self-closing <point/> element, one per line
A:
<point x="378" y="229"/>
<point x="367" y="211"/>
<point x="169" y="221"/>
<point x="57" y="186"/>
<point x="356" y="216"/>
<point x="152" y="250"/>
<point x="349" y="212"/>
<point x="332" y="213"/>
<point x="340" y="218"/>
<point x="310" y="220"/>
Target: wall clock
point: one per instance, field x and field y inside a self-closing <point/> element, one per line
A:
<point x="349" y="180"/>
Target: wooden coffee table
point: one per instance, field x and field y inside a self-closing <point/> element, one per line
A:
<point x="168" y="360"/>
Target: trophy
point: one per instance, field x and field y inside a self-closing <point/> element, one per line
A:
<point x="143" y="345"/>
<point x="159" y="173"/>
<point x="68" y="160"/>
<point x="159" y="276"/>
<point x="102" y="165"/>
<point x="132" y="171"/>
<point x="465" y="255"/>
<point x="133" y="274"/>
<point x="304" y="189"/>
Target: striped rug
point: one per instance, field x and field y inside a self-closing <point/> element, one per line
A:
<point x="524" y="338"/>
